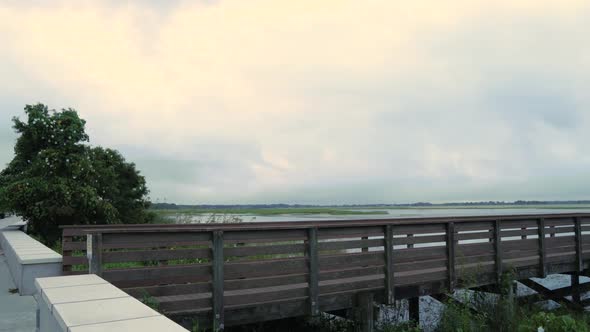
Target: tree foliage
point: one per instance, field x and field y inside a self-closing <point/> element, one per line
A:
<point x="56" y="178"/>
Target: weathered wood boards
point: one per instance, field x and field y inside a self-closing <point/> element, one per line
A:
<point x="276" y="270"/>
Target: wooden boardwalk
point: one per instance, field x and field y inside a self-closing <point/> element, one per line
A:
<point x="230" y="274"/>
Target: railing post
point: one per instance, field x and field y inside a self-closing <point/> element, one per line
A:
<point x="575" y="277"/>
<point x="410" y="245"/>
<point x="66" y="253"/>
<point x="451" y="255"/>
<point x="365" y="249"/>
<point x="578" y="237"/>
<point x="389" y="284"/>
<point x="94" y="253"/>
<point x="217" y="267"/>
<point x="542" y="254"/>
<point x="313" y="261"/>
<point x="498" y="249"/>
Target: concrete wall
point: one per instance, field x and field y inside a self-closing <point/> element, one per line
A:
<point x="88" y="303"/>
<point x="28" y="259"/>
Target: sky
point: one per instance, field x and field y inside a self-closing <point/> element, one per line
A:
<point x="316" y="102"/>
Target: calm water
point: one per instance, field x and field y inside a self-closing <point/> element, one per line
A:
<point x="402" y="213"/>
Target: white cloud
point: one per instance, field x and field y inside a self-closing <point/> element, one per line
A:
<point x="306" y="101"/>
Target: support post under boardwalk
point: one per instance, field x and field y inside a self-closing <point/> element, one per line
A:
<point x="94" y="253"/>
<point x="542" y="255"/>
<point x="313" y="261"/>
<point x="451" y="255"/>
<point x="579" y="263"/>
<point x="414" y="309"/>
<point x="217" y="266"/>
<point x="389" y="285"/>
<point x="498" y="250"/>
<point x="365" y="312"/>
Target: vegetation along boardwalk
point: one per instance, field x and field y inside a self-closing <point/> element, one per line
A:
<point x="230" y="274"/>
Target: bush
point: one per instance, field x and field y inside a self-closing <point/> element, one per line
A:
<point x="551" y="322"/>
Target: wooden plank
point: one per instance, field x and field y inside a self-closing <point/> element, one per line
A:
<point x="474" y="249"/>
<point x="474" y="236"/>
<point x="152" y="255"/>
<point x="418" y="239"/>
<point x="217" y="269"/>
<point x="264" y="235"/>
<point x="74" y="260"/>
<point x="159" y="274"/>
<point x="416" y="254"/>
<point x="474" y="226"/>
<point x="349" y="284"/>
<point x="389" y="285"/>
<point x="155" y="239"/>
<point x="421" y="265"/>
<point x="169" y="290"/>
<point x="277" y="249"/>
<point x="354" y="244"/>
<point x="451" y="255"/>
<point x="328" y="262"/>
<point x="542" y="256"/>
<point x="184" y="301"/>
<point x="412" y="228"/>
<point x="552" y="221"/>
<point x="261" y="282"/>
<point x="257" y="295"/>
<point x="420" y="277"/>
<point x="349" y="232"/>
<point x="351" y="272"/>
<point x="66" y="253"/>
<point x="72" y="246"/>
<point x="519" y="232"/>
<point x="528" y="244"/>
<point x="498" y="249"/>
<point x="259" y="312"/>
<point x="314" y="262"/>
<point x="269" y="267"/>
<point x="560" y="241"/>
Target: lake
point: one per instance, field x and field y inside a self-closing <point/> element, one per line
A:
<point x="391" y="213"/>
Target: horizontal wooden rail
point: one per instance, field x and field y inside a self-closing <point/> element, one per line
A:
<point x="264" y="271"/>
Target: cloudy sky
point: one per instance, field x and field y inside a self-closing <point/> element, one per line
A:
<point x="332" y="101"/>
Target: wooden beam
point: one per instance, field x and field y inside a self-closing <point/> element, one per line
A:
<point x="218" y="307"/>
<point x="498" y="250"/>
<point x="549" y="294"/>
<point x="451" y="255"/>
<point x="365" y="311"/>
<point x="94" y="253"/>
<point x="313" y="261"/>
<point x="542" y="255"/>
<point x="389" y="285"/>
<point x="414" y="309"/>
<point x="578" y="238"/>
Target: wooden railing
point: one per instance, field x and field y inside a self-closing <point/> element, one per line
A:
<point x="265" y="271"/>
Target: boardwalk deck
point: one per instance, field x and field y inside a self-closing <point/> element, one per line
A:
<point x="239" y="273"/>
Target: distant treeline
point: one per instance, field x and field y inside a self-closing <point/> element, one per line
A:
<point x="170" y="206"/>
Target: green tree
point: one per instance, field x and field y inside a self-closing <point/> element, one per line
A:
<point x="56" y="178"/>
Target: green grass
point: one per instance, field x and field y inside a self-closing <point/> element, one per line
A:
<point x="492" y="207"/>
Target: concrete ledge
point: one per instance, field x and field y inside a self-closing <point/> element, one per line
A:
<point x="28" y="259"/>
<point x="88" y="303"/>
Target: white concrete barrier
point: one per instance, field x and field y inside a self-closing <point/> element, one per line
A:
<point x="28" y="259"/>
<point x="88" y="303"/>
